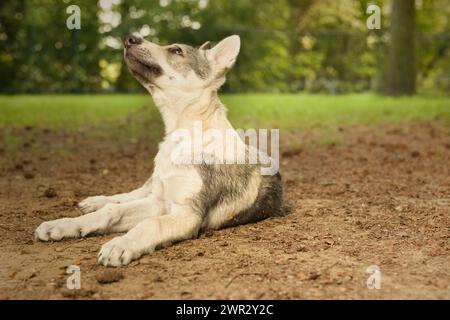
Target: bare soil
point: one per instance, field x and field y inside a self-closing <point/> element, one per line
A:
<point x="378" y="196"/>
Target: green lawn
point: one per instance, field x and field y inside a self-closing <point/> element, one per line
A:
<point x="252" y="110"/>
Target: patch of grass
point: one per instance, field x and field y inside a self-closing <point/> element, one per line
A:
<point x="73" y="112"/>
<point x="296" y="111"/>
<point x="70" y="111"/>
<point x="131" y="118"/>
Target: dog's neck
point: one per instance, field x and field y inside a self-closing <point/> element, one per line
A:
<point x="181" y="109"/>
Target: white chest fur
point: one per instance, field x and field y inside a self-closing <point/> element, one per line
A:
<point x="174" y="184"/>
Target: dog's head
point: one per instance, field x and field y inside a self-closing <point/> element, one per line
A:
<point x="180" y="67"/>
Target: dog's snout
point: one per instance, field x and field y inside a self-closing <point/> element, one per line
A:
<point x="132" y="41"/>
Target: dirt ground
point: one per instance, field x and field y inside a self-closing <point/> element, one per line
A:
<point x="379" y="196"/>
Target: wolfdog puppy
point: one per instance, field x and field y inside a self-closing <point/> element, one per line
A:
<point x="181" y="198"/>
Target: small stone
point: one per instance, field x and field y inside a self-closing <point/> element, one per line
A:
<point x="28" y="175"/>
<point x="147" y="295"/>
<point x="314" y="276"/>
<point x="50" y="193"/>
<point x="109" y="276"/>
<point x="208" y="233"/>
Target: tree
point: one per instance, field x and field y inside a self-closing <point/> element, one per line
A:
<point x="401" y="73"/>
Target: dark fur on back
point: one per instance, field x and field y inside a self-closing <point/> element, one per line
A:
<point x="227" y="183"/>
<point x="268" y="203"/>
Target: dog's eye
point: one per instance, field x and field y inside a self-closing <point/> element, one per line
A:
<point x="176" y="50"/>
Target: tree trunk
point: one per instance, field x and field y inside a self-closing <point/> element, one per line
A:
<point x="401" y="73"/>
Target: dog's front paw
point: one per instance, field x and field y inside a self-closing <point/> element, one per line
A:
<point x="118" y="252"/>
<point x="58" y="229"/>
<point x="92" y="204"/>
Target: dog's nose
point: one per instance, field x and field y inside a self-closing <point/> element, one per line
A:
<point x="132" y="41"/>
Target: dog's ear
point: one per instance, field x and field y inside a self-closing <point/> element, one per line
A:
<point x="224" y="54"/>
<point x="205" y="46"/>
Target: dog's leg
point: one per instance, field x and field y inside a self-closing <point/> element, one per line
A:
<point x="92" y="204"/>
<point x="181" y="185"/>
<point x="183" y="223"/>
<point x="110" y="218"/>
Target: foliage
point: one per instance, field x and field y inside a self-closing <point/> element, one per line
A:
<point x="288" y="45"/>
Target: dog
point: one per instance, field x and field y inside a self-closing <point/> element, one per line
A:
<point x="180" y="199"/>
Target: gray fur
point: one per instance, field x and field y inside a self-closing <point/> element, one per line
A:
<point x="227" y="183"/>
<point x="192" y="59"/>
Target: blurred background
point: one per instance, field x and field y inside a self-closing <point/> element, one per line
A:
<point x="288" y="46"/>
<point x="364" y="119"/>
